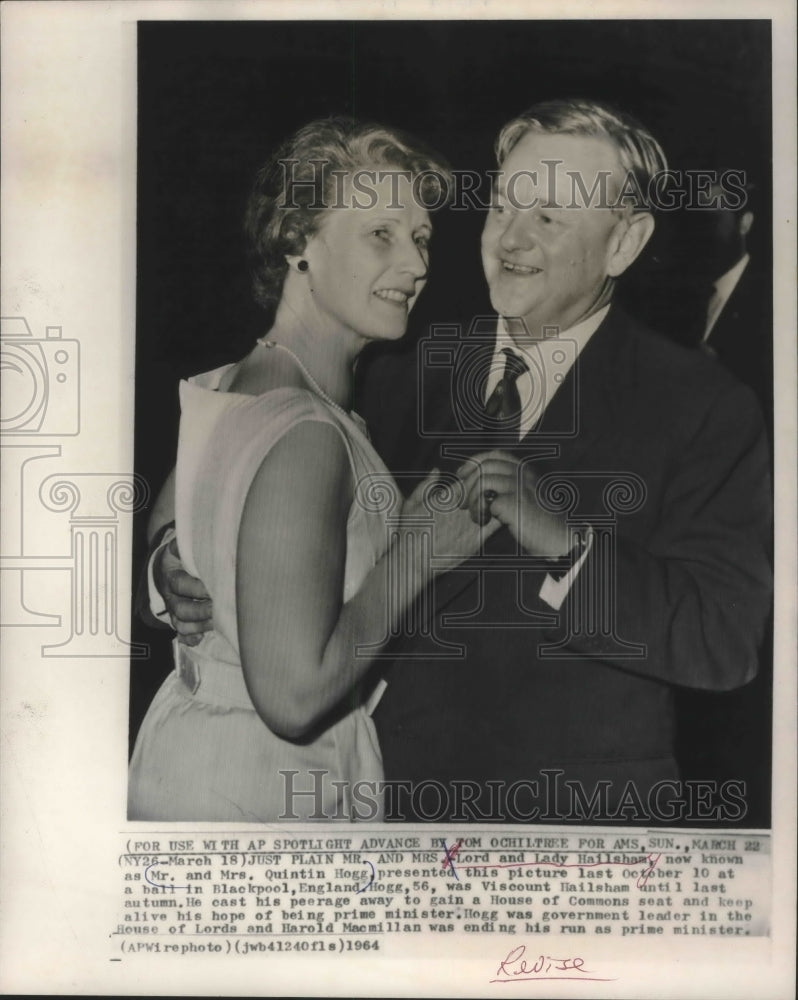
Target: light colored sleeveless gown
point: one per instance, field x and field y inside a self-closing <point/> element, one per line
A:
<point x="203" y="753"/>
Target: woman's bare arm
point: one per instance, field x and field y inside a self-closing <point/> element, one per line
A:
<point x="297" y="639"/>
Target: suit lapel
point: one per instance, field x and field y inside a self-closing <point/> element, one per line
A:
<point x="591" y="400"/>
<point x="585" y="411"/>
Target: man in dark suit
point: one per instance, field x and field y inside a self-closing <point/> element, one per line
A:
<point x="644" y="469"/>
<point x="724" y="254"/>
<point x="737" y="320"/>
<point x="631" y="480"/>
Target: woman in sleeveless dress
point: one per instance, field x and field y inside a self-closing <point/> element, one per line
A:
<point x="276" y="503"/>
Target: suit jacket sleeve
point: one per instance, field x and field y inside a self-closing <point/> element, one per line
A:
<point x="148" y="603"/>
<point x="696" y="592"/>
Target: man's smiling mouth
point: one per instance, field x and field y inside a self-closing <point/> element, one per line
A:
<point x="519" y="268"/>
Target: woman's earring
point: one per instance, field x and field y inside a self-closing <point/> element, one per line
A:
<point x="302" y="265"/>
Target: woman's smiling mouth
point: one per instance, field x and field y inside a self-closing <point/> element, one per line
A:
<point x="393" y="295"/>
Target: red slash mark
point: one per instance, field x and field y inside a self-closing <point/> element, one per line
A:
<point x="451" y="854"/>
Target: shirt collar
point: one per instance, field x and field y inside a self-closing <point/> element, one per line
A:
<point x="580" y="333"/>
<point x="540" y="354"/>
<point x="722" y="290"/>
<point x="726" y="283"/>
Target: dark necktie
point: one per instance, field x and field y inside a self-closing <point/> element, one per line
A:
<point x="504" y="403"/>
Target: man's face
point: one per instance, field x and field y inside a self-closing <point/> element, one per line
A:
<point x="549" y="263"/>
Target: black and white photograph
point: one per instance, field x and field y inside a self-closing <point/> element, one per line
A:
<point x="398" y="444"/>
<point x="540" y="337"/>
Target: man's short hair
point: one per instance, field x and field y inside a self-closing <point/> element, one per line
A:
<point x="638" y="150"/>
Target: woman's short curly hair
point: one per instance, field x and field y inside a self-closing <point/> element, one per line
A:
<point x="300" y="182"/>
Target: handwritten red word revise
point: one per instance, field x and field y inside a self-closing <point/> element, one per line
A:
<point x="514" y="969"/>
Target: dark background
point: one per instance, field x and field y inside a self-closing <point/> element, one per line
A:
<point x="216" y="97"/>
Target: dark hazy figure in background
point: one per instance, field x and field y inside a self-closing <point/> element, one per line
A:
<point x="724" y="250"/>
<point x="737" y="321"/>
<point x="706" y="281"/>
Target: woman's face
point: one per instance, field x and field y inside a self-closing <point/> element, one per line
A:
<point x="369" y="258"/>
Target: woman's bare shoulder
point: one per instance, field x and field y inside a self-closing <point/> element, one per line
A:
<point x="309" y="462"/>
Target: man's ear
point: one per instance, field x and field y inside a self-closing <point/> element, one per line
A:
<point x="631" y="235"/>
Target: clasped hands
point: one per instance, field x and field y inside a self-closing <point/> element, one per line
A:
<point x="498" y="489"/>
<point x="499" y="485"/>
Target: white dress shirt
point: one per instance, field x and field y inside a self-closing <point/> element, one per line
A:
<point x="549" y="360"/>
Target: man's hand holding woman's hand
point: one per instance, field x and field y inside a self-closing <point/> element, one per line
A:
<point x="491" y="489"/>
<point x="187" y="601"/>
<point x="500" y="486"/>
